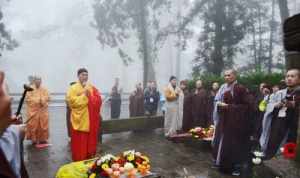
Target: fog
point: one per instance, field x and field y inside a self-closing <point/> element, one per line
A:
<point x="56" y="39"/>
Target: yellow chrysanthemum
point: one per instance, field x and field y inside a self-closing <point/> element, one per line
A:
<point x="92" y="175"/>
<point x="130" y="157"/>
<point x="145" y="158"/>
<point x="104" y="166"/>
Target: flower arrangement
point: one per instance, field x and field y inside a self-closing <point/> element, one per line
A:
<point x="129" y="163"/>
<point x="257" y="157"/>
<point x="203" y="133"/>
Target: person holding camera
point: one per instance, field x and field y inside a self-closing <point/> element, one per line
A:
<point x="285" y="114"/>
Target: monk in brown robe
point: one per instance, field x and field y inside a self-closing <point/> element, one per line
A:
<point x="187" y="117"/>
<point x="285" y="115"/>
<point x="136" y="102"/>
<point x="200" y="106"/>
<point x="37" y="114"/>
<point x="231" y="139"/>
<point x="11" y="136"/>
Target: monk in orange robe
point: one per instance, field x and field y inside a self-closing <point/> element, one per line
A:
<point x="37" y="102"/>
<point x="85" y="102"/>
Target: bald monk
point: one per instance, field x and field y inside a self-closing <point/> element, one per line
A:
<point x="284" y="116"/>
<point x="231" y="117"/>
<point x="37" y="102"/>
<point x="85" y="102"/>
<point x="11" y="136"/>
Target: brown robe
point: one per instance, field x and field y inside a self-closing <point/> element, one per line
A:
<point x="187" y="121"/>
<point x="283" y="128"/>
<point x="136" y="104"/>
<point x="6" y="171"/>
<point x="200" y="108"/>
<point x="232" y="142"/>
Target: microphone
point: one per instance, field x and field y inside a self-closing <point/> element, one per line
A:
<point x="27" y="88"/>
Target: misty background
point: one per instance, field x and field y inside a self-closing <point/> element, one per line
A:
<point x="56" y="37"/>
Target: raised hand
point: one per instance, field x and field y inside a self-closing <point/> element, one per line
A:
<point x="5" y="109"/>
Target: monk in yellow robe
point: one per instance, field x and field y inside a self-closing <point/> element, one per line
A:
<point x="85" y="102"/>
<point x="37" y="102"/>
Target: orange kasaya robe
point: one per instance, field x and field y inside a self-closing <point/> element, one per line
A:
<point x="37" y="102"/>
<point x="85" y="120"/>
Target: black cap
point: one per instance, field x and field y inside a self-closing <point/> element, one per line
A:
<point x="172" y="78"/>
<point x="81" y="70"/>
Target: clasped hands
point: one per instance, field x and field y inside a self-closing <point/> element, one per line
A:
<point x="222" y="104"/>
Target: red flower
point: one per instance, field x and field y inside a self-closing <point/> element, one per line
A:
<point x="139" y="161"/>
<point x="104" y="174"/>
<point x="289" y="150"/>
<point x="120" y="161"/>
<point x="94" y="167"/>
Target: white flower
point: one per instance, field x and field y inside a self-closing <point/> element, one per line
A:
<point x="128" y="166"/>
<point x="107" y="157"/>
<point x="281" y="149"/>
<point x="138" y="154"/>
<point x="128" y="152"/>
<point x="98" y="162"/>
<point x="259" y="154"/>
<point x="256" y="161"/>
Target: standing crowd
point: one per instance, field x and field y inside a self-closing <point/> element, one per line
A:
<point x="240" y="117"/>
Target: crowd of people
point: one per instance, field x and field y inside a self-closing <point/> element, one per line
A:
<point x="141" y="101"/>
<point x="244" y="121"/>
<point x="240" y="117"/>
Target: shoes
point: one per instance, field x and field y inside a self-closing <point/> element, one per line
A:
<point x="45" y="145"/>
<point x="236" y="173"/>
<point x="214" y="166"/>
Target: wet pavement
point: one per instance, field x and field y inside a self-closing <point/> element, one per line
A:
<point x="170" y="160"/>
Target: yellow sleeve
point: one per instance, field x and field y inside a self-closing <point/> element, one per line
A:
<point x="74" y="100"/>
<point x="170" y="96"/>
<point x="45" y="97"/>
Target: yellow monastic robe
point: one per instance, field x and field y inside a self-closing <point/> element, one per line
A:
<point x="78" y="102"/>
<point x="37" y="115"/>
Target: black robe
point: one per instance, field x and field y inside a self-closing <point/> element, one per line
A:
<point x="232" y="142"/>
<point x="282" y="128"/>
<point x="68" y="120"/>
<point x="151" y="99"/>
<point x="115" y="105"/>
<point x="6" y="171"/>
<point x="258" y="118"/>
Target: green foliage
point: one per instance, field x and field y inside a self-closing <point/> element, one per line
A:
<point x="226" y="23"/>
<point x="252" y="80"/>
<point x="249" y="80"/>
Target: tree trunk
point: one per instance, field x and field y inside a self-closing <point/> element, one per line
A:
<point x="148" y="69"/>
<point x="217" y="57"/>
<point x="284" y="14"/>
<point x="284" y="10"/>
<point x="260" y="50"/>
<point x="272" y="29"/>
